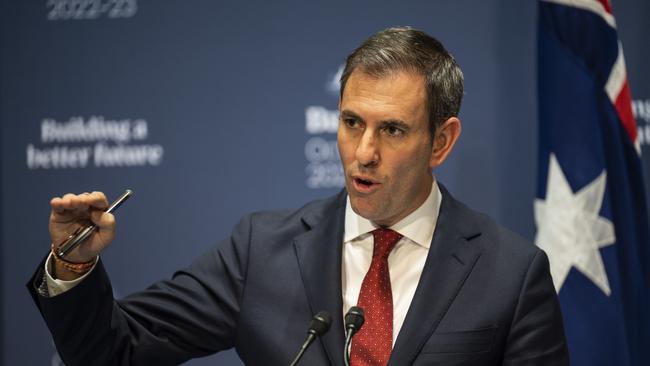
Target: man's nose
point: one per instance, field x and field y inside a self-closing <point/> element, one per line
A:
<point x="367" y="153"/>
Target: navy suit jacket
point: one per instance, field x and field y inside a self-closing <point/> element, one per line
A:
<point x="485" y="297"/>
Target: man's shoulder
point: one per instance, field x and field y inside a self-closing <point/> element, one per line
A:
<point x="309" y="214"/>
<point x="491" y="236"/>
<point x="505" y="258"/>
<point x="502" y="238"/>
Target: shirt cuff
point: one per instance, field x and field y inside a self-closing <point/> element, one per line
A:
<point x="56" y="286"/>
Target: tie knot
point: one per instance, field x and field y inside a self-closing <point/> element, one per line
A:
<point x="385" y="240"/>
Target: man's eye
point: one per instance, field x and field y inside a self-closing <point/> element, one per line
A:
<point x="351" y="122"/>
<point x="394" y="131"/>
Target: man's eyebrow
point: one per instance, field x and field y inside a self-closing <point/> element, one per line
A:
<point x="350" y="114"/>
<point x="395" y="123"/>
<point x="383" y="124"/>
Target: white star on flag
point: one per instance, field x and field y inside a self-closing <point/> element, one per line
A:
<point x="570" y="229"/>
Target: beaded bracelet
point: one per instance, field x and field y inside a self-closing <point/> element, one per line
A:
<point x="79" y="268"/>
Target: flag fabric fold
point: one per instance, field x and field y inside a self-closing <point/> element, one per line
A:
<point x="590" y="212"/>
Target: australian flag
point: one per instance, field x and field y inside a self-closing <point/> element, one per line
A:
<point x="590" y="212"/>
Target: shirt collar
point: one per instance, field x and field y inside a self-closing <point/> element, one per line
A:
<point x="418" y="226"/>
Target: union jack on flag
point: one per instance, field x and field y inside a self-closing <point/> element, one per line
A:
<point x="590" y="212"/>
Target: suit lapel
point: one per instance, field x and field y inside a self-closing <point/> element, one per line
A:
<point x="319" y="256"/>
<point x="449" y="262"/>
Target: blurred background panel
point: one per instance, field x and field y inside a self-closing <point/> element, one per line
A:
<point x="212" y="109"/>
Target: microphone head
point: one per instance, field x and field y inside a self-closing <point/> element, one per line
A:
<point x="354" y="318"/>
<point x="320" y="323"/>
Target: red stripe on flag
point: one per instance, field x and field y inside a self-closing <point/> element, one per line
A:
<point x="605" y="3"/>
<point x="624" y="108"/>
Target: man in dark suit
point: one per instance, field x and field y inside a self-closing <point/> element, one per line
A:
<point x="440" y="284"/>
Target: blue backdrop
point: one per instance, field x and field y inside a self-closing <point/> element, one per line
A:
<point x="212" y="109"/>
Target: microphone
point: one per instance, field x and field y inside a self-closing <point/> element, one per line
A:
<point x="318" y="326"/>
<point x="353" y="321"/>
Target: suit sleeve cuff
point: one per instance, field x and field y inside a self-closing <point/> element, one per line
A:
<point x="56" y="286"/>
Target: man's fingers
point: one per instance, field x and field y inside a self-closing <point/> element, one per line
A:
<point x="72" y="201"/>
<point x="98" y="200"/>
<point x="57" y="204"/>
<point x="67" y="202"/>
<point x="79" y="202"/>
<point x="103" y="220"/>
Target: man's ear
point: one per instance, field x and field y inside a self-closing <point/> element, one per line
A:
<point x="446" y="136"/>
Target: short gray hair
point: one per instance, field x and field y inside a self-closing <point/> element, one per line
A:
<point x="408" y="49"/>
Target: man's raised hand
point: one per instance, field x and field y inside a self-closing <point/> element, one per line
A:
<point x="71" y="212"/>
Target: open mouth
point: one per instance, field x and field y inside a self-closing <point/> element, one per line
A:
<point x="363" y="185"/>
<point x="363" y="182"/>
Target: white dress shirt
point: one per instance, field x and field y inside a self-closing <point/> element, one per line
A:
<point x="405" y="262"/>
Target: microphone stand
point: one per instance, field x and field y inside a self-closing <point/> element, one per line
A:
<point x="318" y="326"/>
<point x="354" y="319"/>
<point x="348" y="339"/>
<point x="310" y="338"/>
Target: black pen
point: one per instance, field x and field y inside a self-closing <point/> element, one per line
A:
<point x="83" y="233"/>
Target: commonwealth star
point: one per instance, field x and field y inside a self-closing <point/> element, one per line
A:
<point x="570" y="229"/>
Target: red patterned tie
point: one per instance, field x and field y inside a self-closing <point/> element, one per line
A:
<point x="374" y="342"/>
